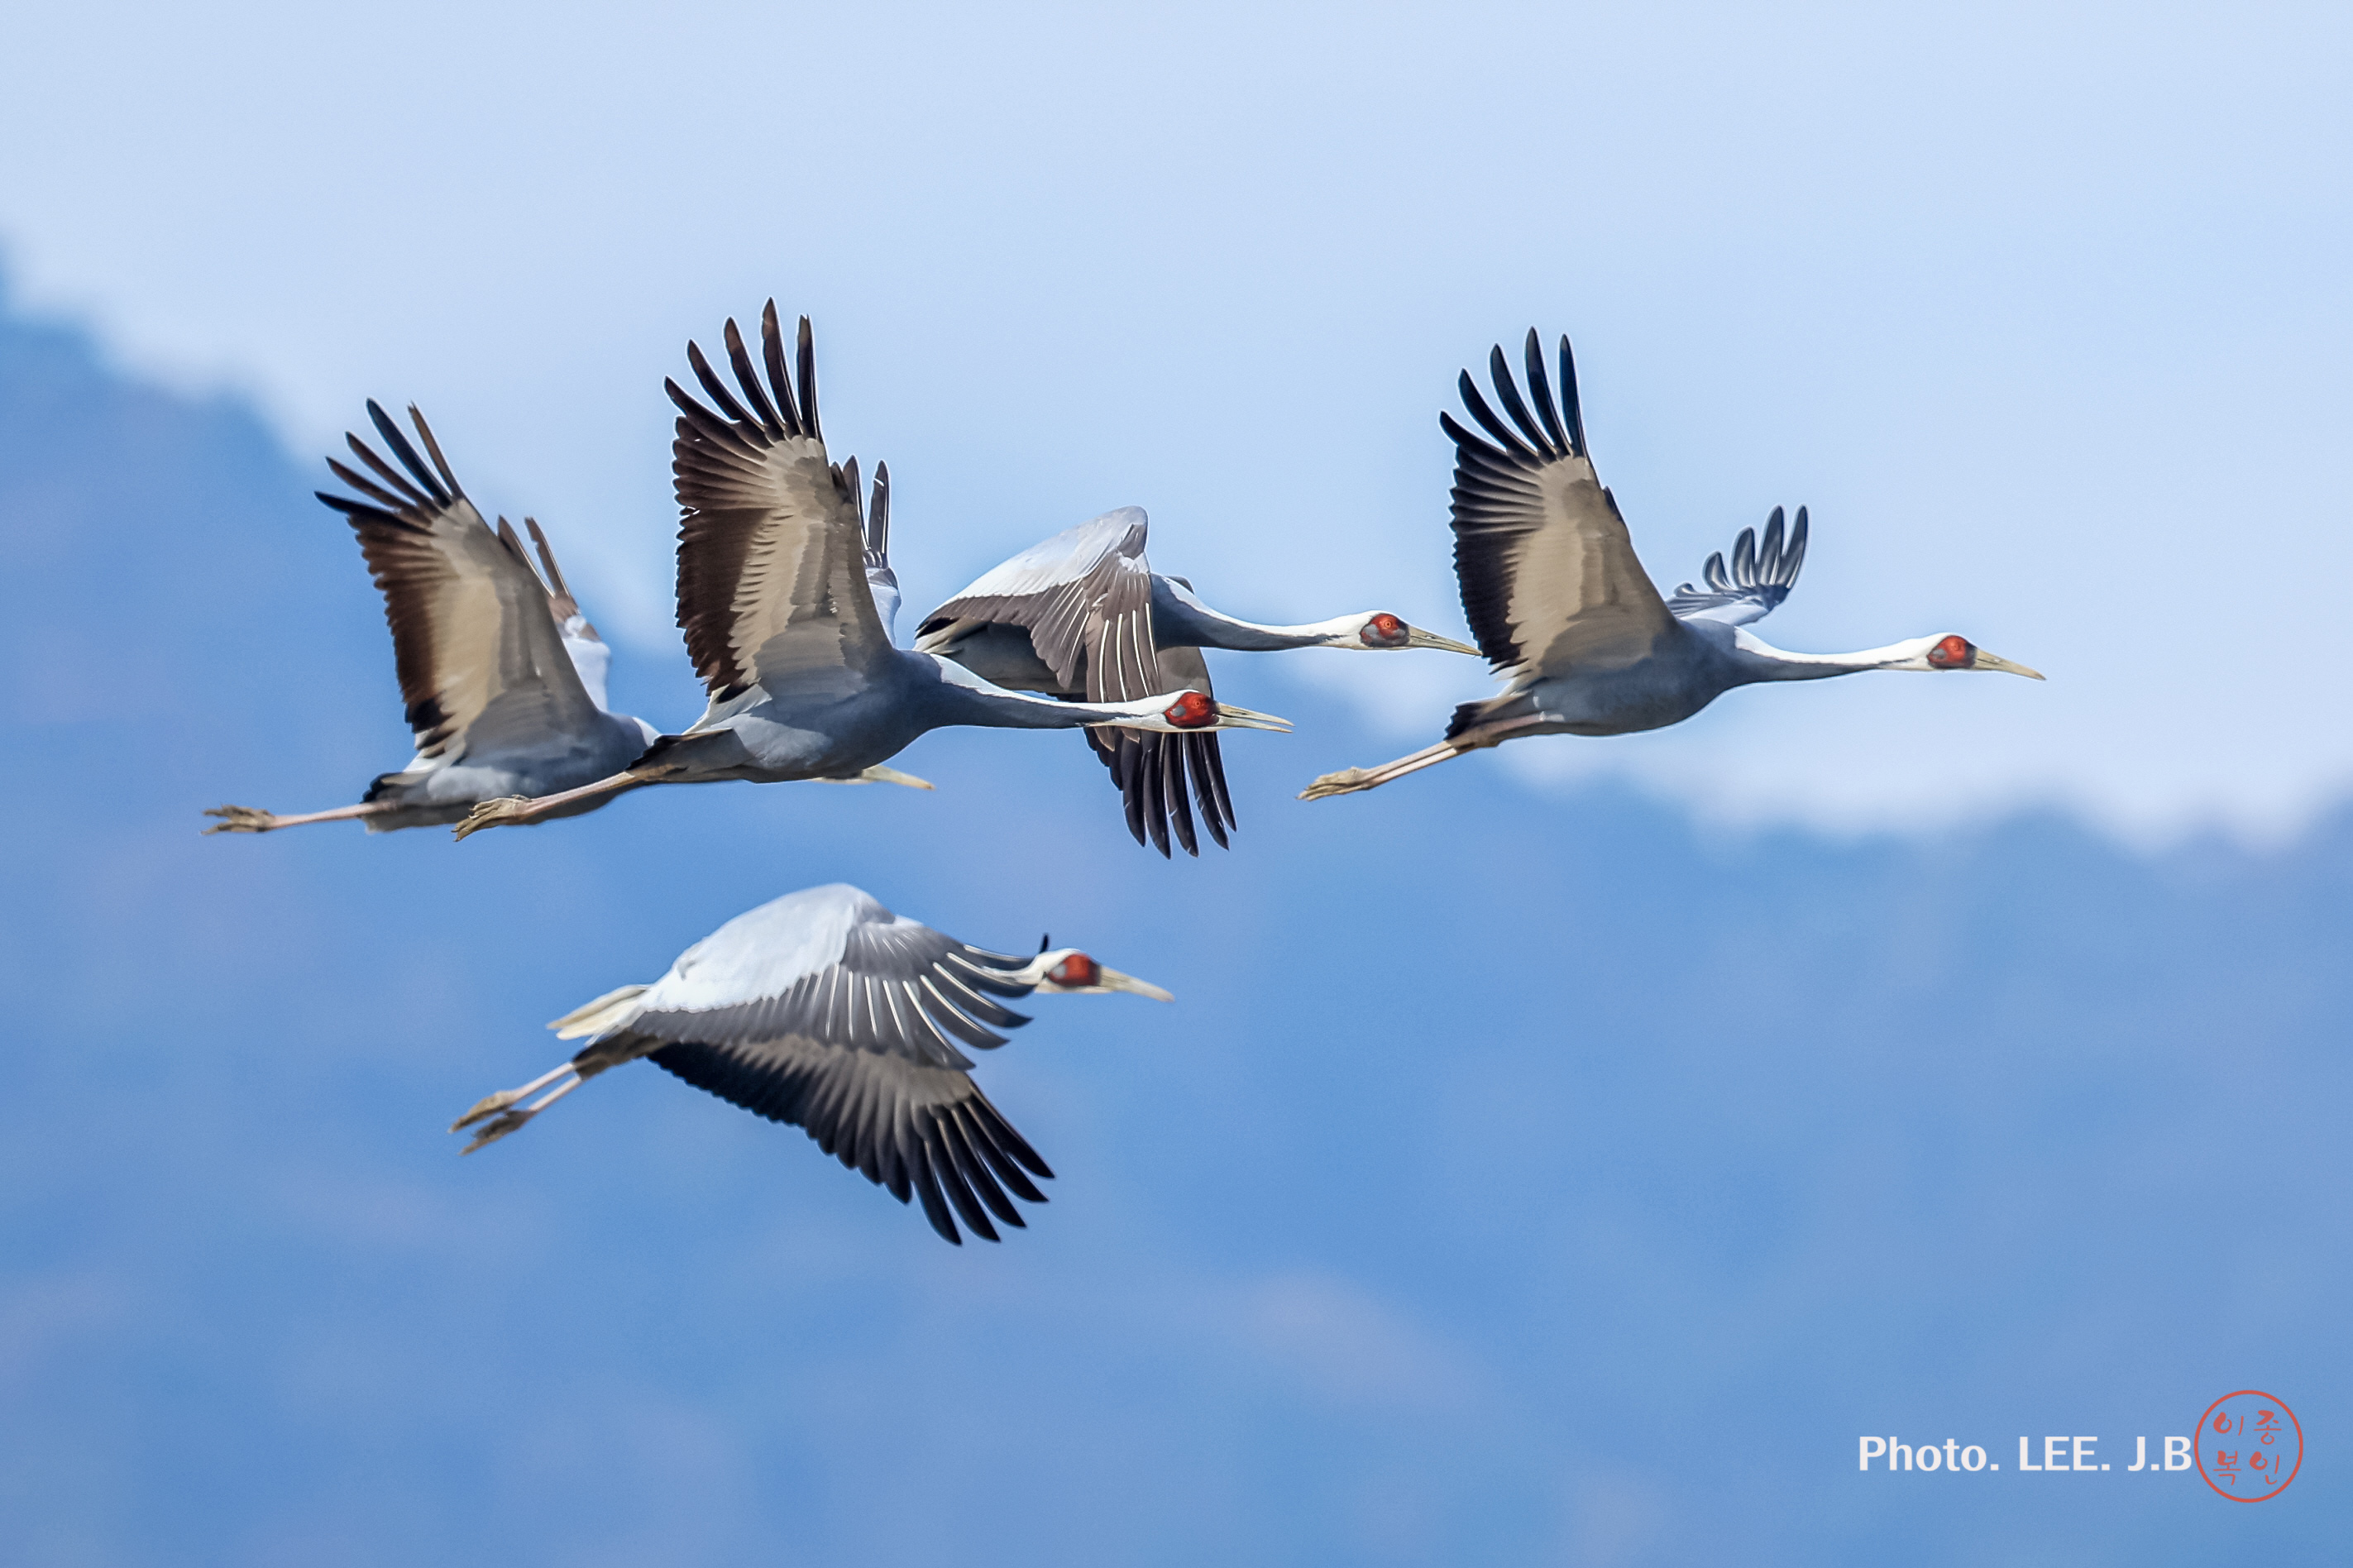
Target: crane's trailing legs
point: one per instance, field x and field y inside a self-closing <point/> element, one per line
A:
<point x="253" y="819"/>
<point x="1347" y="781"/>
<point x="499" y="1108"/>
<point x="516" y="809"/>
<point x="502" y="1114"/>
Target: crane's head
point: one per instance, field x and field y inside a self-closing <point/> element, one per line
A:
<point x="1067" y="972"/>
<point x="1382" y="632"/>
<point x="1954" y="651"/>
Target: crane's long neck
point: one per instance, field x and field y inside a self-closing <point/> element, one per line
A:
<point x="1760" y="660"/>
<point x="961" y="696"/>
<point x="1179" y="619"/>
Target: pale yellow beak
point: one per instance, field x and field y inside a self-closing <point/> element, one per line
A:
<point x="1985" y="660"/>
<point x="1420" y="639"/>
<point x="1112" y="980"/>
<point x="1232" y="717"/>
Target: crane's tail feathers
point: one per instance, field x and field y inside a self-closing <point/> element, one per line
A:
<point x="1347" y="781"/>
<point x="592" y="1017"/>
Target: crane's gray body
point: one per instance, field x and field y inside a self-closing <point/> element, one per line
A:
<point x="834" y="729"/>
<point x="534" y="762"/>
<point x="1686" y="668"/>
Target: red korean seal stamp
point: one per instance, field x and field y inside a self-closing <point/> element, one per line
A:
<point x="2249" y="1446"/>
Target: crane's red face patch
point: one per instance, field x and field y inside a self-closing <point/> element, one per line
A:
<point x="1191" y="712"/>
<point x="1076" y="970"/>
<point x="1384" y="630"/>
<point x="1953" y="653"/>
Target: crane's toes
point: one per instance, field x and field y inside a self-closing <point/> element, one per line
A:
<point x="241" y="819"/>
<point x="489" y="1105"/>
<point x="493" y="1132"/>
<point x="1347" y="781"/>
<point x="495" y="814"/>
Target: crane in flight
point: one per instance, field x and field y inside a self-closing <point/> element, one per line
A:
<point x="775" y="596"/>
<point x="1565" y="613"/>
<point x="1083" y="616"/>
<point x="827" y="1012"/>
<point x="503" y="676"/>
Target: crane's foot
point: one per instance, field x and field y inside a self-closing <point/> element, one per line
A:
<point x="242" y="819"/>
<point x="1347" y="781"/>
<point x="879" y="774"/>
<point x="489" y="1105"/>
<point x="499" y="1114"/>
<point x="491" y="1131"/>
<point x="506" y="812"/>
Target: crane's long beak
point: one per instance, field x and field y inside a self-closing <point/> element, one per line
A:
<point x="1232" y="717"/>
<point x="1419" y="639"/>
<point x="1112" y="980"/>
<point x="1985" y="660"/>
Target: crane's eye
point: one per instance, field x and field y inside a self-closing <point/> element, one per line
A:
<point x="1191" y="712"/>
<point x="1383" y="630"/>
<point x="1076" y="970"/>
<point x="1953" y="653"/>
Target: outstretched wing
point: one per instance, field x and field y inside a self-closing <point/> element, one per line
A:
<point x="1759" y="578"/>
<point x="771" y="550"/>
<point x="1551" y="580"/>
<point x="824" y="1010"/>
<point x="1084" y="596"/>
<point x="482" y="664"/>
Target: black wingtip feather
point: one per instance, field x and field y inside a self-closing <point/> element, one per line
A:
<point x="404" y="452"/>
<point x="1570" y="402"/>
<point x="740" y="362"/>
<point x="1540" y="389"/>
<point x="807" y="356"/>
<point x="1499" y="371"/>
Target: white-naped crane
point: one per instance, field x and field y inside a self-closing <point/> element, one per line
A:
<point x="1083" y="616"/>
<point x="780" y="617"/>
<point x="503" y="676"/>
<point x="824" y="1010"/>
<point x="1565" y="614"/>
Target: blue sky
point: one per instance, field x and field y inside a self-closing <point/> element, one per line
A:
<point x="1522" y="1176"/>
<point x="2038" y="308"/>
<point x="1533" y="1170"/>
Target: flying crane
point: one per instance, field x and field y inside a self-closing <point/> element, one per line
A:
<point x="1565" y="613"/>
<point x="827" y="1012"/>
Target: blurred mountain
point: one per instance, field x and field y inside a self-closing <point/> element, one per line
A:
<point x="1519" y="1178"/>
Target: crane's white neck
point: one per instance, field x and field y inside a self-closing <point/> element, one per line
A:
<point x="1181" y="619"/>
<point x="1762" y="661"/>
<point x="1249" y="636"/>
